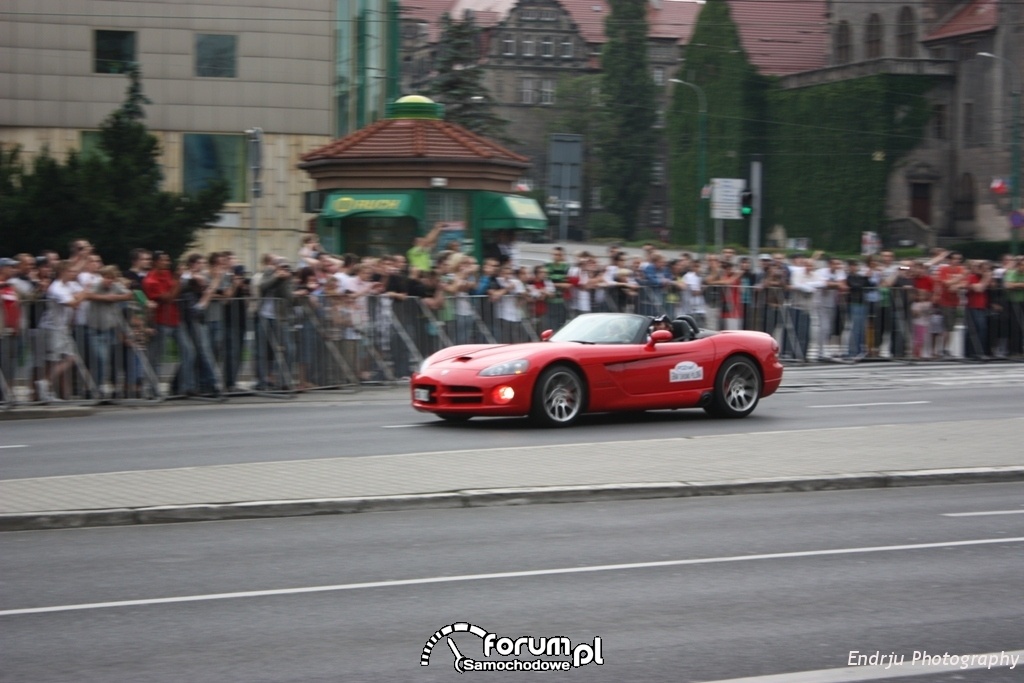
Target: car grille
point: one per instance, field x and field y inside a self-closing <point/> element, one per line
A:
<point x="452" y="395"/>
<point x="457" y="394"/>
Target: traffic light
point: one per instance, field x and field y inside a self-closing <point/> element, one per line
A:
<point x="747" y="203"/>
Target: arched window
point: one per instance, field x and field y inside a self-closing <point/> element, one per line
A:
<point x="906" y="33"/>
<point x="844" y="43"/>
<point x="873" y="38"/>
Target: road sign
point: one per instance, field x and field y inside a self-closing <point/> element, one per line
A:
<point x="725" y="198"/>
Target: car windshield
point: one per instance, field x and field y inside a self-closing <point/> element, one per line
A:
<point x="603" y="328"/>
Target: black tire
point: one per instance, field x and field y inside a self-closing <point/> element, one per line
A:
<point x="453" y="417"/>
<point x="737" y="389"/>
<point x="558" y="397"/>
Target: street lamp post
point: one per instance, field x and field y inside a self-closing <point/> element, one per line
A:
<point x="1014" y="149"/>
<point x="702" y="156"/>
<point x="255" y="155"/>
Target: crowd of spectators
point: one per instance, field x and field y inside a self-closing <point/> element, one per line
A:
<point x="78" y="327"/>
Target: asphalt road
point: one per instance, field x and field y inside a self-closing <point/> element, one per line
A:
<point x="692" y="589"/>
<point x="381" y="422"/>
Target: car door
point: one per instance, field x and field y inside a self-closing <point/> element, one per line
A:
<point x="667" y="370"/>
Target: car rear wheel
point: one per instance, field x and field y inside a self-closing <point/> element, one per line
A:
<point x="737" y="389"/>
<point x="558" y="397"/>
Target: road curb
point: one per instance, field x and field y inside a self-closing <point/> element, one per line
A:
<point x="46" y="413"/>
<point x="470" y="498"/>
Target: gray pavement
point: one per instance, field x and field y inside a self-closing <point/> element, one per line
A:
<point x="812" y="459"/>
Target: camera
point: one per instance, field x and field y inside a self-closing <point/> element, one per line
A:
<point x="239" y="270"/>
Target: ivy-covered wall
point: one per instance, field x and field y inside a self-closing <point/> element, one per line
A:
<point x="830" y="151"/>
<point x="827" y="150"/>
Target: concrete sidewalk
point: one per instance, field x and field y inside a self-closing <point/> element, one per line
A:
<point x="815" y="459"/>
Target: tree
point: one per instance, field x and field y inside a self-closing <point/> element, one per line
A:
<point x="111" y="197"/>
<point x="459" y="81"/>
<point x="735" y="94"/>
<point x="628" y="87"/>
<point x="581" y="111"/>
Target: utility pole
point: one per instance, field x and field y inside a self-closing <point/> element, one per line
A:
<point x="1015" y="203"/>
<point x="755" y="216"/>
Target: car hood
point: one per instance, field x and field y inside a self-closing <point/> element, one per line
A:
<point x="484" y="355"/>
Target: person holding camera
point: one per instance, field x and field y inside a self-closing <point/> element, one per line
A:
<point x="273" y="313"/>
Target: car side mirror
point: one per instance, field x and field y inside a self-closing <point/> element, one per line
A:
<point x="546" y="334"/>
<point x="658" y="337"/>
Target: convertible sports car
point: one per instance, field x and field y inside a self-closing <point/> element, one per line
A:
<point x="602" y="362"/>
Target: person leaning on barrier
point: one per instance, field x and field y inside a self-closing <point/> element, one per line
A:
<point x="63" y="297"/>
<point x="104" y="322"/>
<point x="10" y="327"/>
<point x="1013" y="283"/>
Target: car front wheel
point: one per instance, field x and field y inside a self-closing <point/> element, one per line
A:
<point x="558" y="397"/>
<point x="737" y="389"/>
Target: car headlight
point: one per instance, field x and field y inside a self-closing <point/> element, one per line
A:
<point x="511" y="367"/>
<point x="424" y="365"/>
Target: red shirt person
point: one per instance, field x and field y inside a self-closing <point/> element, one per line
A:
<point x="162" y="286"/>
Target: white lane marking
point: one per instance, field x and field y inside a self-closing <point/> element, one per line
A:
<point x="867" y="405"/>
<point x="21" y="445"/>
<point x="503" y="575"/>
<point x="851" y="674"/>
<point x="400" y="426"/>
<point x="982" y="514"/>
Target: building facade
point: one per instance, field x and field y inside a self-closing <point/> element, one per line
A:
<point x="531" y="47"/>
<point x="941" y="193"/>
<point x="303" y="72"/>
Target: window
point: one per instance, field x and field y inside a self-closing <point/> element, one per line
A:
<point x="526" y="91"/>
<point x="114" y="51"/>
<point x="873" y="37"/>
<point x="567" y="51"/>
<point x="215" y="55"/>
<point x="527" y="46"/>
<point x="208" y="158"/>
<point x="658" y="172"/>
<point x="508" y="44"/>
<point x="659" y="117"/>
<point x="89" y="144"/>
<point x="657" y="215"/>
<point x="966" y="51"/>
<point x="547" y="47"/>
<point x="844" y="43"/>
<point x="968" y="123"/>
<point x="907" y="33"/>
<point x="659" y="75"/>
<point x="963" y="202"/>
<point x="547" y="91"/>
<point x="529" y="15"/>
<point x="939" y="121"/>
<point x="595" y="199"/>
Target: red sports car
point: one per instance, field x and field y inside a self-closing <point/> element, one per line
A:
<point x="598" y="363"/>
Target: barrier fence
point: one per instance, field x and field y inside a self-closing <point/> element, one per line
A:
<point x="278" y="348"/>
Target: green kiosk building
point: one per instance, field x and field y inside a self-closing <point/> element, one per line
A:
<point x="381" y="186"/>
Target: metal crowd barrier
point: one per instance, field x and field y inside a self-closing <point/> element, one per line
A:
<point x="276" y="348"/>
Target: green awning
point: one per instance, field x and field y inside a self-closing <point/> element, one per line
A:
<point x="496" y="211"/>
<point x="341" y="204"/>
